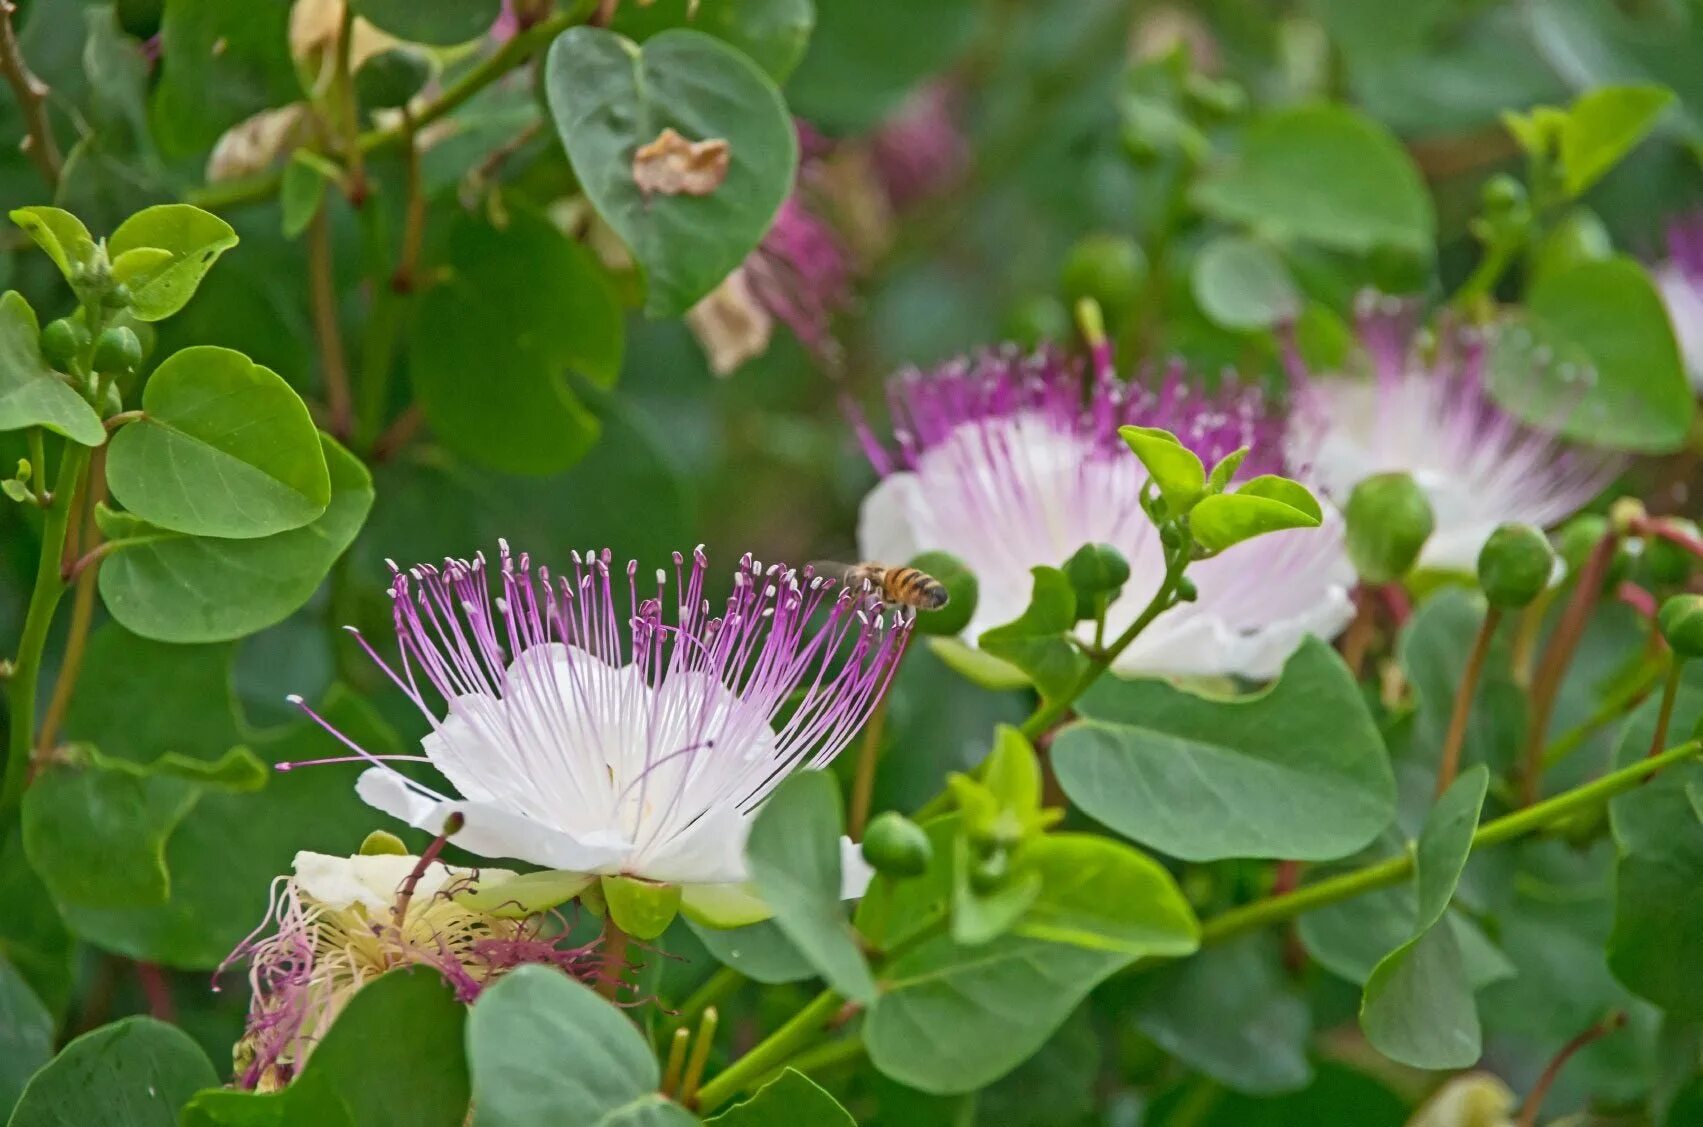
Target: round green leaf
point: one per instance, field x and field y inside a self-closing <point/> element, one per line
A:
<point x="1241" y="283"/>
<point x="161" y="253"/>
<point x="789" y="1100"/>
<point x="774" y="33"/>
<point x="759" y="951"/>
<point x="1323" y="174"/>
<point x="794" y="855"/>
<point x="178" y="588"/>
<point x="1296" y="771"/>
<point x="1593" y="356"/>
<point x="441" y="23"/>
<point x="1103" y="895"/>
<point x="133" y="1073"/>
<point x="610" y="96"/>
<point x="225" y="448"/>
<point x="546" y="1049"/>
<point x="26" y="1035"/>
<point x="491" y="348"/>
<point x="31" y="393"/>
<point x="1603" y="126"/>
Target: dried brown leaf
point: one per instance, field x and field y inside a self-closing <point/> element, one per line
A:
<point x="674" y="166"/>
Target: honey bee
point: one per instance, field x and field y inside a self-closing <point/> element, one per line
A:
<point x="895" y="586"/>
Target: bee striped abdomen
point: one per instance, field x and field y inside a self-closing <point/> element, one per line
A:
<point x="912" y="588"/>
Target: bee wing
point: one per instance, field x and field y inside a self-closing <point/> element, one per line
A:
<point x="836" y="570"/>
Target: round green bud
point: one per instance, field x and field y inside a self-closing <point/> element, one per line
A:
<point x="896" y="847"/>
<point x="1108" y="268"/>
<point x="118" y="297"/>
<point x="1667" y="562"/>
<point x="1514" y="566"/>
<point x="117" y="350"/>
<point x="1170" y="535"/>
<point x="1681" y="623"/>
<point x="1503" y="193"/>
<point x="62" y="341"/>
<point x="1187" y="592"/>
<point x="388" y="79"/>
<point x="1389" y="519"/>
<point x="1096" y="569"/>
<point x="989" y="872"/>
<point x="1573" y="543"/>
<point x="1036" y="320"/>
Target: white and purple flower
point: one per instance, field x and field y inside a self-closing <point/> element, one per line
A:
<point x="1427" y="411"/>
<point x="1680" y="280"/>
<point x="1011" y="461"/>
<point x="627" y="733"/>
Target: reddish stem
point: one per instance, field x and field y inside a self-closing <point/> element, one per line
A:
<point x="1557" y="656"/>
<point x="157" y="990"/>
<point x="1534" y="1101"/>
<point x="451" y="825"/>
<point x="1464" y="693"/>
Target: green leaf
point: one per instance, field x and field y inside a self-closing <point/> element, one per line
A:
<point x="26" y="1035"/>
<point x="1433" y="649"/>
<point x="774" y="33"/>
<point x="98" y="836"/>
<point x="610" y="96"/>
<point x="59" y="233"/>
<point x="791" y="1099"/>
<point x="1035" y="642"/>
<point x="225" y="448"/>
<point x="441" y="23"/>
<point x="31" y="394"/>
<point x="546" y="1049"/>
<point x="794" y="854"/>
<point x="491" y="348"/>
<point x="1327" y="175"/>
<point x="394" y="1055"/>
<point x="1593" y="356"/>
<point x="1175" y="469"/>
<point x="760" y="951"/>
<point x="193" y="240"/>
<point x="1602" y="126"/>
<point x="133" y="1073"/>
<point x="177" y="588"/>
<point x="219" y="63"/>
<point x="1242" y="283"/>
<point x="858" y="72"/>
<point x="1657" y="936"/>
<point x="1296" y="771"/>
<point x="1264" y="504"/>
<point x="1418" y="1006"/>
<point x="1105" y="896"/>
<point x="300" y="192"/>
<point x="1232" y="1013"/>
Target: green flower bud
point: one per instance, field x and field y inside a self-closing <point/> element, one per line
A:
<point x="1389" y="520"/>
<point x="896" y="847"/>
<point x="388" y="79"/>
<point x="1577" y="537"/>
<point x="1514" y="566"/>
<point x="1681" y="623"/>
<point x="117" y="350"/>
<point x="990" y="871"/>
<point x="1503" y="193"/>
<point x="1108" y="268"/>
<point x="62" y="341"/>
<point x="1187" y="592"/>
<point x="1171" y="536"/>
<point x="1667" y="562"/>
<point x="1035" y="320"/>
<point x="1095" y="570"/>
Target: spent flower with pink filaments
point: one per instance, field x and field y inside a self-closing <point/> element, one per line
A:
<point x="1010" y="461"/>
<point x="1427" y="410"/>
<point x="340" y="922"/>
<point x="627" y="733"/>
<point x="920" y="151"/>
<point x="1680" y="280"/>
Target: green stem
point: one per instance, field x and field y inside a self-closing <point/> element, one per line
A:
<point x="715" y="989"/>
<point x="1251" y="917"/>
<point x="1664" y="717"/>
<point x="770" y="1052"/>
<point x="510" y="55"/>
<point x="1610" y="709"/>
<point x="50" y="585"/>
<point x="1052" y="711"/>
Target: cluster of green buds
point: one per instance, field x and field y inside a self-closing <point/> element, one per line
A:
<point x="999" y="815"/>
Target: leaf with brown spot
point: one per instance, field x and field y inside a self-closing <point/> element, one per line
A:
<point x="674" y="166"/>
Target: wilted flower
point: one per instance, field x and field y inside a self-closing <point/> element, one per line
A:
<point x="628" y="735"/>
<point x="920" y="152"/>
<point x="1010" y="462"/>
<point x="1428" y="413"/>
<point x="333" y="927"/>
<point x="1680" y="280"/>
<point x="800" y="275"/>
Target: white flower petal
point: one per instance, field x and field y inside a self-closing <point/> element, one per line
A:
<point x="855" y="873"/>
<point x="884" y="520"/>
<point x="490" y="831"/>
